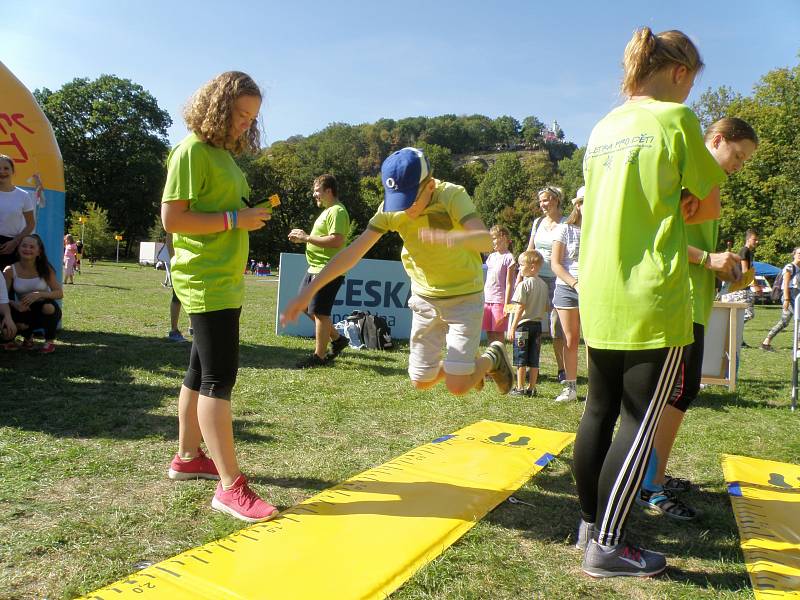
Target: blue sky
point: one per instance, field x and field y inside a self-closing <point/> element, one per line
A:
<point x="355" y="62"/>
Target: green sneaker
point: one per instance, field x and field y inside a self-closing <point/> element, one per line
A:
<point x="501" y="371"/>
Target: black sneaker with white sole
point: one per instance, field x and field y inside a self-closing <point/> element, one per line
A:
<point x="622" y="560"/>
<point x="337" y="346"/>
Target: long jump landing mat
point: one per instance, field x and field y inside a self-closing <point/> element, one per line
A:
<point x="765" y="496"/>
<point x="364" y="537"/>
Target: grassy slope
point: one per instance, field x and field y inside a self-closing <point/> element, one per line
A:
<point x="86" y="435"/>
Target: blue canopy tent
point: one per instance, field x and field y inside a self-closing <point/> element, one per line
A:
<point x="766" y="269"/>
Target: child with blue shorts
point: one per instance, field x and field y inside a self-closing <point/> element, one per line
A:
<point x="531" y="300"/>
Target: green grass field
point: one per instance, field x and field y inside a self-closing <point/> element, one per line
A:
<point x="86" y="435"/>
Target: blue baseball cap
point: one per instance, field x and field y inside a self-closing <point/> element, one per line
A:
<point x="401" y="174"/>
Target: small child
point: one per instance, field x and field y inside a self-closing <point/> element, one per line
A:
<point x="442" y="239"/>
<point x="500" y="276"/>
<point x="70" y="253"/>
<point x="532" y="299"/>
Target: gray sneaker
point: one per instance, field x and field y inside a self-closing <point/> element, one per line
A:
<point x="501" y="371"/>
<point x="585" y="533"/>
<point x="623" y="560"/>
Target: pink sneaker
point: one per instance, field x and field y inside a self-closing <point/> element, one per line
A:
<point x="200" y="467"/>
<point x="243" y="503"/>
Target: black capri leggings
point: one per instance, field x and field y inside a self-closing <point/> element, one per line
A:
<point x="687" y="383"/>
<point x="633" y="384"/>
<point x="35" y="318"/>
<point x="214" y="361"/>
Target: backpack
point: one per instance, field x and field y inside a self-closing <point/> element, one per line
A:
<point x="375" y="331"/>
<point x="777" y="287"/>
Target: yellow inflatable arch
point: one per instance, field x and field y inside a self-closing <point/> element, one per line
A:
<point x="27" y="137"/>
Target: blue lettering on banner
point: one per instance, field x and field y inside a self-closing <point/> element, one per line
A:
<point x="379" y="286"/>
<point x="369" y="288"/>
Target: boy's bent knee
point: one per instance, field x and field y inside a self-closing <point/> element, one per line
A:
<point x="458" y="385"/>
<point x="48" y="309"/>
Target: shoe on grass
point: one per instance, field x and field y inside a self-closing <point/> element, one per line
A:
<point x="622" y="560"/>
<point x="569" y="393"/>
<point x="562" y="376"/>
<point x="309" y="362"/>
<point x="200" y="467"/>
<point x="241" y="502"/>
<point x="666" y="503"/>
<point x="676" y="484"/>
<point x="176" y="336"/>
<point x="337" y="346"/>
<point x="767" y="347"/>
<point x="501" y="371"/>
<point x="517" y="393"/>
<point x="47" y="348"/>
<point x="585" y="534"/>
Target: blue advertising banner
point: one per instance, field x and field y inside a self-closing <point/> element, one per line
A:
<point x="380" y="287"/>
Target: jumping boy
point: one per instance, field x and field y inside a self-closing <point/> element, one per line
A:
<point x="531" y="299"/>
<point x="442" y="240"/>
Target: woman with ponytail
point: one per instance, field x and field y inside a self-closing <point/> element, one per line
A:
<point x="636" y="309"/>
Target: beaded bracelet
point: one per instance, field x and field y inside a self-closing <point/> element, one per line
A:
<point x="224" y="221"/>
<point x="235" y="215"/>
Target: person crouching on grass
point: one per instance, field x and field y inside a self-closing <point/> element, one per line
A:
<point x="531" y="299"/>
<point x="442" y="240"/>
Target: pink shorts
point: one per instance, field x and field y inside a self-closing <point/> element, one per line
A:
<point x="494" y="319"/>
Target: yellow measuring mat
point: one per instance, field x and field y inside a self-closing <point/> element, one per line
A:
<point x="364" y="537"/>
<point x="766" y="502"/>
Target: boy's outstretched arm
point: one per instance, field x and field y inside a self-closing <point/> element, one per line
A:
<point x="475" y="236"/>
<point x="339" y="264"/>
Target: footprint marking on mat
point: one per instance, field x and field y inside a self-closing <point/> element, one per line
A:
<point x="500" y="437"/>
<point x="777" y="480"/>
<point x="522" y="441"/>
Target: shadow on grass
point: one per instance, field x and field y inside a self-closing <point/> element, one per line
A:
<point x="717" y="398"/>
<point x="92" y="387"/>
<point x="282" y="357"/>
<point x="555" y="511"/>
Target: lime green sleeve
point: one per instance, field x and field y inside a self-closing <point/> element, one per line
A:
<point x="187" y="166"/>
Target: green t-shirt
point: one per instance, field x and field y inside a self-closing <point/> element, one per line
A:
<point x="436" y="271"/>
<point x="207" y="269"/>
<point x="333" y="219"/>
<point x="634" y="269"/>
<point x="701" y="280"/>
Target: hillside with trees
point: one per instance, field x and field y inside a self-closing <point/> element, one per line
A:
<point x="113" y="138"/>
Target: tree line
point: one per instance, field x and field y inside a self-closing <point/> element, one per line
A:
<point x="113" y="137"/>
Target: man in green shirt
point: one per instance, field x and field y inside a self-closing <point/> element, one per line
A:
<point x="327" y="237"/>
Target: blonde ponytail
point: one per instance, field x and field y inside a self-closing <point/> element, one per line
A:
<point x="647" y="53"/>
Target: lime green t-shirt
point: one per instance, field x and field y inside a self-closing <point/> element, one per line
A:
<point x="701" y="280"/>
<point x="436" y="271"/>
<point x="634" y="269"/>
<point x="207" y="269"/>
<point x="333" y="219"/>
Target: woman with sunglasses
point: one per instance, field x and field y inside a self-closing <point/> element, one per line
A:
<point x="542" y="234"/>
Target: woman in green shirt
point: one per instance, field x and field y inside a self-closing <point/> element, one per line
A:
<point x="203" y="208"/>
<point x="731" y="142"/>
<point x="635" y="301"/>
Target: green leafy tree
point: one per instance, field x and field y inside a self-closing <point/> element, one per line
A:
<point x="508" y="129"/>
<point x="763" y="196"/>
<point x="532" y="130"/>
<point x="113" y="139"/>
<point x="571" y="172"/>
<point x="95" y="231"/>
